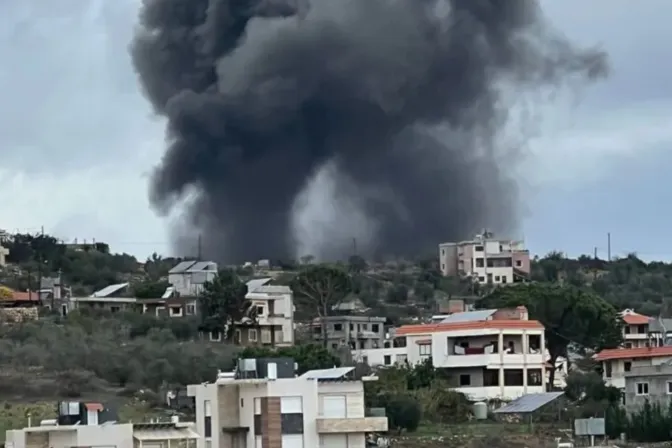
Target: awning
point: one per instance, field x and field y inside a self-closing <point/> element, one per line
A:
<point x="165" y="434"/>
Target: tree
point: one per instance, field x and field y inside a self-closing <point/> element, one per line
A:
<point x="223" y="306"/>
<point x="403" y="412"/>
<point x="569" y="314"/>
<point x="5" y="293"/>
<point x="321" y="288"/>
<point x="356" y="264"/>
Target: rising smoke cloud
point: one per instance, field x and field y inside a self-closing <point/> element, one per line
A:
<point x="399" y="104"/>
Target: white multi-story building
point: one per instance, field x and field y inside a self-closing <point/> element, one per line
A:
<point x="486" y="259"/>
<point x="274" y="310"/>
<point x="635" y="329"/>
<point x="616" y="363"/>
<point x="263" y="405"/>
<point x="189" y="277"/>
<point x="488" y="354"/>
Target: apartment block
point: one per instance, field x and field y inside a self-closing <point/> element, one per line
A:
<point x="356" y="332"/>
<point x="486" y="259"/>
<point x="486" y="354"/>
<point x="619" y="362"/>
<point x="264" y="405"/>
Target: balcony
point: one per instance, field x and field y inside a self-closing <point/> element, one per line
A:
<point x="351" y="425"/>
<point x="510" y="360"/>
<point x="375" y="420"/>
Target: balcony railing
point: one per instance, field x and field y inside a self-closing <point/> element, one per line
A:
<point x="374" y="420"/>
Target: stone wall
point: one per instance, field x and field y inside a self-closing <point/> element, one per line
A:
<point x="14" y="315"/>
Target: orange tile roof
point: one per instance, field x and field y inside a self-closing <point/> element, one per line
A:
<point x="20" y="296"/>
<point x="630" y="353"/>
<point x="635" y="319"/>
<point x="476" y="325"/>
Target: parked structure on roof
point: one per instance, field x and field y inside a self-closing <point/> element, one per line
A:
<point x="486" y="259"/>
<point x="264" y="405"/>
<point x="189" y="277"/>
<point x="488" y="353"/>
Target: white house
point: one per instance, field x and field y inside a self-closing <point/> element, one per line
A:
<point x="274" y="308"/>
<point x="489" y="354"/>
<point x="619" y="361"/>
<point x="188" y="277"/>
<point x="321" y="408"/>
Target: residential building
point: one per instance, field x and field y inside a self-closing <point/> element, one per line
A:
<point x="263" y="404"/>
<point x="617" y="363"/>
<point x="649" y="383"/>
<point x="273" y="307"/>
<point x="356" y="332"/>
<point x="88" y="424"/>
<point x="17" y="306"/>
<point x="3" y="255"/>
<point x="486" y="354"/>
<point x="486" y="259"/>
<point x="189" y="277"/>
<point x="118" y="297"/>
<point x="635" y="329"/>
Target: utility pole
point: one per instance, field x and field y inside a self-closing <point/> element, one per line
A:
<point x="608" y="246"/>
<point x="595" y="257"/>
<point x="200" y="248"/>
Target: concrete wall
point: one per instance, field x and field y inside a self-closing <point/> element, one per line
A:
<point x="120" y="436"/>
<point x="656" y="378"/>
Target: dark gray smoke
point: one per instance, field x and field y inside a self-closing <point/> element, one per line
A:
<point x="403" y="97"/>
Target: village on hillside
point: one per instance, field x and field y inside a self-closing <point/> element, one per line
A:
<point x="475" y="335"/>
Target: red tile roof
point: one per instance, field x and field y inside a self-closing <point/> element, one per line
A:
<point x="630" y="353"/>
<point x="476" y="325"/>
<point x="635" y="319"/>
<point x="20" y="296"/>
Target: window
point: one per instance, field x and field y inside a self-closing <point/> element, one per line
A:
<point x="669" y="387"/>
<point x="607" y="369"/>
<point x="260" y="310"/>
<point x="252" y="335"/>
<point x="480" y="263"/>
<point x="478" y="248"/>
<point x="496" y="278"/>
<point x="628" y="345"/>
<point x="504" y="280"/>
<point x="387" y="360"/>
<point x="191" y="309"/>
<point x="443" y="266"/>
<point x="489" y="278"/>
<point x="401" y="359"/>
<point x="443" y="251"/>
<point x="338" y="327"/>
<point x="425" y="349"/>
<point x="114" y="309"/>
<point x="627" y="329"/>
<point x="175" y="310"/>
<point x="317" y="330"/>
<point x="642" y="329"/>
<point x="465" y="380"/>
<point x="334" y="346"/>
<point x="642" y="388"/>
<point x="627" y="366"/>
<point x="352" y="327"/>
<point x="481" y="279"/>
<point x="534" y="377"/>
<point x="519" y="263"/>
<point x="207" y="412"/>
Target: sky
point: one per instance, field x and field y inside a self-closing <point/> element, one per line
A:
<point x="77" y="139"/>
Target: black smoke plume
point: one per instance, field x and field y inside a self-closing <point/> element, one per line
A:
<point x="405" y="99"/>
